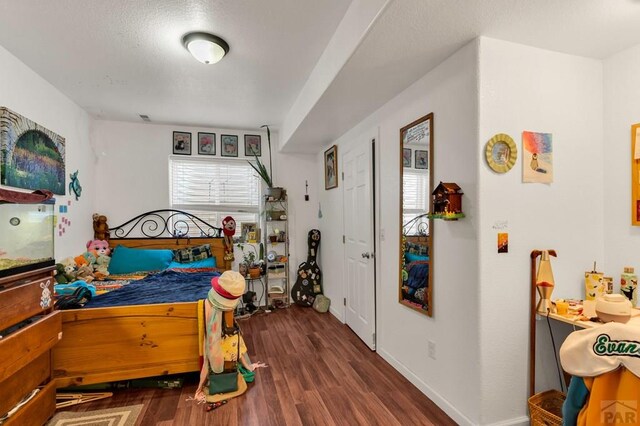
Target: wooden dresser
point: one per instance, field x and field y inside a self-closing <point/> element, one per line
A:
<point x="26" y="352"/>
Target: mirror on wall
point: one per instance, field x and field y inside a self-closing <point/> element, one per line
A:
<point x="416" y="239"/>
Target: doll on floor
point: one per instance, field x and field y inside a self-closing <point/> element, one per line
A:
<point x="221" y="345"/>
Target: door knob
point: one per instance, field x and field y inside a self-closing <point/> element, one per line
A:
<point x="366" y="255"/>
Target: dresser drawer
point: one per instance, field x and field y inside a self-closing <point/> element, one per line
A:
<point x="26" y="300"/>
<point x="38" y="410"/>
<point x="29" y="377"/>
<point x="22" y="347"/>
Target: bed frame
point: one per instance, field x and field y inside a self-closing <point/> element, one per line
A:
<point x="120" y="343"/>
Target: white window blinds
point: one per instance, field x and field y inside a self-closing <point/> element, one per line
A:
<point x="213" y="185"/>
<point x="415" y="191"/>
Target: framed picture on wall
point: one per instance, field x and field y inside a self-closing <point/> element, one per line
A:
<point x="406" y="157"/>
<point x="422" y="159"/>
<point x="229" y="145"/>
<point x="331" y="168"/>
<point x="252" y="145"/>
<point x="206" y="143"/>
<point x="182" y="143"/>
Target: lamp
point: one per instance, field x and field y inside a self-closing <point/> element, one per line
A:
<point x="205" y="47"/>
<point x="544" y="283"/>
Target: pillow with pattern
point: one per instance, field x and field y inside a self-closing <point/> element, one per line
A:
<point x="419" y="249"/>
<point x="192" y="254"/>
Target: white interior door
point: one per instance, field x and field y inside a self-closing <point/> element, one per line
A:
<point x="359" y="255"/>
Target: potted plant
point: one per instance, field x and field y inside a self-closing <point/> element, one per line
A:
<point x="250" y="266"/>
<point x="275" y="193"/>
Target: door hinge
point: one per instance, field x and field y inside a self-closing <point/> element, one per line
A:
<point x="374" y="338"/>
<point x="344" y="301"/>
<point x="343" y="239"/>
<point x="342" y="175"/>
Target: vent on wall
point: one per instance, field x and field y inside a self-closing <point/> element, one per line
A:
<point x="145" y="117"/>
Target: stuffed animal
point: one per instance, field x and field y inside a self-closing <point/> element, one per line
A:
<point x="100" y="227"/>
<point x="85" y="273"/>
<point x="229" y="229"/>
<point x="61" y="276"/>
<point x="101" y="268"/>
<point x="98" y="247"/>
<point x="69" y="267"/>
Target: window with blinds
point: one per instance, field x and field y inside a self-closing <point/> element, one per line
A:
<point x="415" y="193"/>
<point x="215" y="188"/>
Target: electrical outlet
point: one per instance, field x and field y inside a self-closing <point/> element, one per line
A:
<point x="431" y="349"/>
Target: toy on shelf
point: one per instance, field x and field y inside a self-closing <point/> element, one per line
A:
<point x="447" y="201"/>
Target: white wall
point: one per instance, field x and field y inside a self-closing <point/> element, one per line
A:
<point x="524" y="88"/>
<point x="450" y="92"/>
<point x="133" y="163"/>
<point x="621" y="110"/>
<point x="28" y="94"/>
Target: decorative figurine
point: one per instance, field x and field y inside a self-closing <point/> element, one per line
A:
<point x="447" y="201"/>
<point x="74" y="185"/>
<point x="229" y="230"/>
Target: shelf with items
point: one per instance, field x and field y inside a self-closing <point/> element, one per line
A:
<point x="276" y="241"/>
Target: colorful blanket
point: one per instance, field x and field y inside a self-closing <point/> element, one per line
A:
<point x="165" y="287"/>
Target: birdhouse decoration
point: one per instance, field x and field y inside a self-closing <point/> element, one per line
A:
<point x="447" y="201"/>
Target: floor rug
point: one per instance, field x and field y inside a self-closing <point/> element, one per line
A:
<point x="119" y="416"/>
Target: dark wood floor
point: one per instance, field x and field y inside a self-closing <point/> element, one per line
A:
<point x="319" y="373"/>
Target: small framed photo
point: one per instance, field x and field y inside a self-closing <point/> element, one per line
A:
<point x="206" y="143"/>
<point x="422" y="159"/>
<point x="182" y="143"/>
<point x="406" y="157"/>
<point x="331" y="168"/>
<point x="252" y="145"/>
<point x="248" y="231"/>
<point x="229" y="145"/>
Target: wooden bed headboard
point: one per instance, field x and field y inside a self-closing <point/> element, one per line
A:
<point x="163" y="229"/>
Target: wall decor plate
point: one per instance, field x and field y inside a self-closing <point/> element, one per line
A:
<point x="501" y="153"/>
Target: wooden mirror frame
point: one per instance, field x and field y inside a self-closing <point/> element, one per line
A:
<point x="427" y="307"/>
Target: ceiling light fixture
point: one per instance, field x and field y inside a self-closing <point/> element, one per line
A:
<point x="205" y="47"/>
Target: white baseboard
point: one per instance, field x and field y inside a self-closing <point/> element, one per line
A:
<point x="445" y="405"/>
<point x="441" y="402"/>
<point x="336" y="314"/>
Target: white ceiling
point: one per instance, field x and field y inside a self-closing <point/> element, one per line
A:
<point x="121" y="58"/>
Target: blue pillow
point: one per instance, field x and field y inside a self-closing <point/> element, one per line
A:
<point x="412" y="257"/>
<point x="125" y="260"/>
<point x="204" y="263"/>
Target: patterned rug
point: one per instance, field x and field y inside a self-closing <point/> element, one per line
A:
<point x="119" y="416"/>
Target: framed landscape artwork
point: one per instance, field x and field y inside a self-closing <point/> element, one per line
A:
<point x="31" y="156"/>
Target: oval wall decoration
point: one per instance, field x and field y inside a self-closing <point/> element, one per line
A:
<point x="501" y="153"/>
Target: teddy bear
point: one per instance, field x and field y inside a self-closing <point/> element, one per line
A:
<point x="100" y="227"/>
<point x="98" y="247"/>
<point x="101" y="268"/>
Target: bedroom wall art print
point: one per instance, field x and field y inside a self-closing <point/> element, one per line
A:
<point x="537" y="157"/>
<point x="31" y="156"/>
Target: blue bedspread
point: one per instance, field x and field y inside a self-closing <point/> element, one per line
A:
<point x="164" y="287"/>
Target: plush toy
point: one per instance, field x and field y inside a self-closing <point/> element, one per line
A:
<point x="100" y="227"/>
<point x="99" y="247"/>
<point x="101" y="268"/>
<point x="69" y="265"/>
<point x="80" y="261"/>
<point x="229" y="229"/>
<point x="61" y="276"/>
<point x="85" y="273"/>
